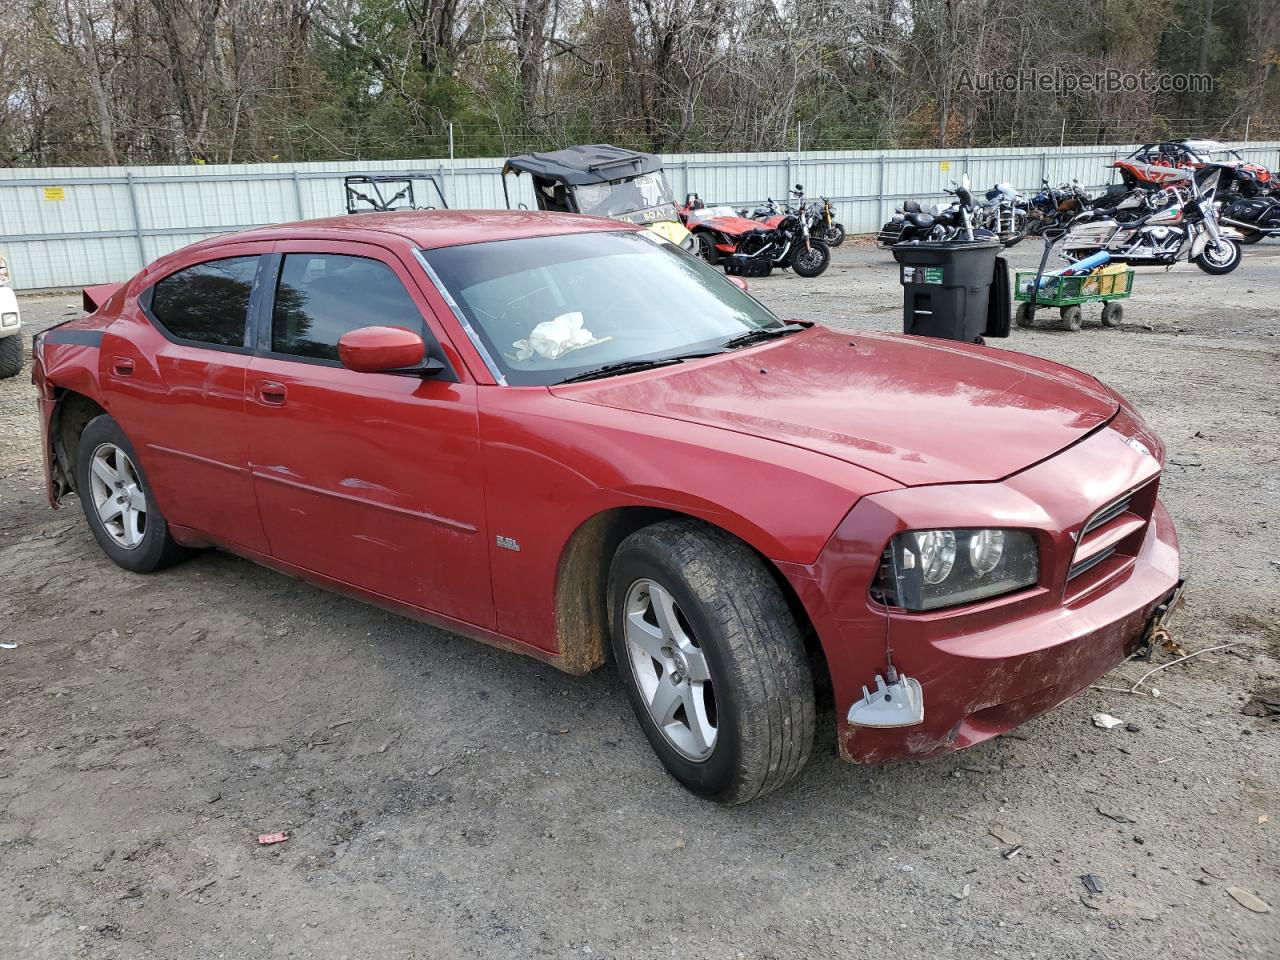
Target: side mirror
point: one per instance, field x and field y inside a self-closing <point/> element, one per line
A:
<point x="382" y="350"/>
<point x="799" y="188"/>
<point x="738" y="282"/>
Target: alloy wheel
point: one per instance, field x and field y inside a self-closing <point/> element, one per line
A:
<point x="670" y="670"/>
<point x="118" y="495"/>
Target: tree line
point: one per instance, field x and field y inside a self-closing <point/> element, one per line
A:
<point x="161" y="81"/>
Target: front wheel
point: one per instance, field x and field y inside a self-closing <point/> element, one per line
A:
<point x="706" y="248"/>
<point x="713" y="660"/>
<point x="10" y="356"/>
<point x="1220" y="257"/>
<point x="811" y="262"/>
<point x="834" y="235"/>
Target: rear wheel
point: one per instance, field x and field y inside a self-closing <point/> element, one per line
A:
<point x="713" y="660"/>
<point x="1072" y="319"/>
<point x="1112" y="314"/>
<point x="1220" y="257"/>
<point x="811" y="262"/>
<point x="10" y="356"/>
<point x="117" y="501"/>
<point x="1023" y="316"/>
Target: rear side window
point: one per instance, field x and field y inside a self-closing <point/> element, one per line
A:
<point x="208" y="303"/>
<point x="321" y="296"/>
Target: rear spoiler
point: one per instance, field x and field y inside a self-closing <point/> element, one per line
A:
<point x="95" y="297"/>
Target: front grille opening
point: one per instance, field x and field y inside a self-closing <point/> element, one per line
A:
<point x="1106" y="515"/>
<point x="1109" y="540"/>
<point x="1084" y="566"/>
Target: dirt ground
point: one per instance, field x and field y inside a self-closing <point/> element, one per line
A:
<point x="443" y="799"/>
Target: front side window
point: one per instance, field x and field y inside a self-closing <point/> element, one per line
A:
<point x="548" y="308"/>
<point x="208" y="303"/>
<point x="321" y="296"/>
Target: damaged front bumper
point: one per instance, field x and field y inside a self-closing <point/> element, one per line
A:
<point x="980" y="684"/>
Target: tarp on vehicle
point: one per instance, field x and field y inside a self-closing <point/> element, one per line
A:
<point x="591" y="163"/>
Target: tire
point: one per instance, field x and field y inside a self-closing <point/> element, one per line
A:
<point x="153" y="548"/>
<point x="1252" y="237"/>
<point x="1224" y="266"/>
<point x="834" y="235"/>
<point x="812" y="262"/>
<point x="1023" y="316"/>
<point x="1072" y="319"/>
<point x="11" y="356"/>
<point x="1112" y="314"/>
<point x="707" y="248"/>
<point x="754" y="714"/>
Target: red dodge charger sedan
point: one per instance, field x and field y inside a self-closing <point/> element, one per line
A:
<point x="564" y="436"/>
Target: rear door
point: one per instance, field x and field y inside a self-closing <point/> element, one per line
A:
<point x="176" y="386"/>
<point x="369" y="479"/>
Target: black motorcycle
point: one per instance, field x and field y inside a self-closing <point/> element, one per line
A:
<point x="784" y="243"/>
<point x="911" y="224"/>
<point x="1251" y="207"/>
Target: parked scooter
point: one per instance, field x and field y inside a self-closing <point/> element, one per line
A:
<point x="1186" y="227"/>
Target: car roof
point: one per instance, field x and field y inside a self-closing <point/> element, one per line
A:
<point x="590" y="163"/>
<point x="428" y="229"/>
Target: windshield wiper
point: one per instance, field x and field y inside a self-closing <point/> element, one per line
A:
<point x="765" y="333"/>
<point x="627" y="366"/>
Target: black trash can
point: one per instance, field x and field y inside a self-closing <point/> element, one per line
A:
<point x="946" y="287"/>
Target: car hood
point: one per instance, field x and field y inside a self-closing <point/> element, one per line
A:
<point x="916" y="411"/>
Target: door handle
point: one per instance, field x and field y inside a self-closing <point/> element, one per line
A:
<point x="122" y="366"/>
<point x="271" y="393"/>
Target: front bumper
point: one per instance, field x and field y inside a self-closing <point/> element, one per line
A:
<point x="985" y="668"/>
<point x="979" y="685"/>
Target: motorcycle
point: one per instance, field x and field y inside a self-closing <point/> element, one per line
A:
<point x="1182" y="226"/>
<point x="1248" y="203"/>
<point x="958" y="221"/>
<point x="751" y="248"/>
<point x="828" y="230"/>
<point x="1004" y="212"/>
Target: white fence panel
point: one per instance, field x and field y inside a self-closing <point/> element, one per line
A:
<point x="70" y="226"/>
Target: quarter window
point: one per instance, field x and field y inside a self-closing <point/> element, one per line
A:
<point x="208" y="303"/>
<point x="321" y="296"/>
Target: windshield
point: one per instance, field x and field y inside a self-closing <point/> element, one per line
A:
<point x="623" y="196"/>
<point x="547" y="308"/>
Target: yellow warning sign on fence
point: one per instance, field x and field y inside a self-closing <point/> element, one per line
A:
<point x="55" y="193"/>
<point x="945" y="165"/>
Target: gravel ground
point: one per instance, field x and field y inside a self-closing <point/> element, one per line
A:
<point x="444" y="799"/>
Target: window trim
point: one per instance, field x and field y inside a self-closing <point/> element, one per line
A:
<point x="255" y="292"/>
<point x="262" y="315"/>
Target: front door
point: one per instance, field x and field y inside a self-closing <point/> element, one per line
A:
<point x="370" y="479"/>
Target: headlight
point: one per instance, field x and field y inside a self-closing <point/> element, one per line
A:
<point x="928" y="569"/>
